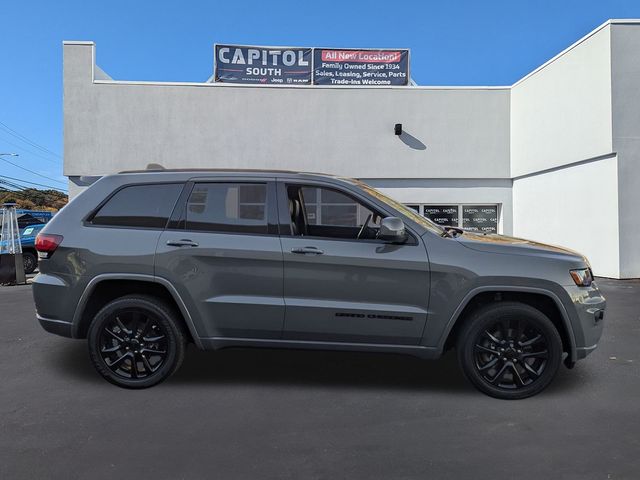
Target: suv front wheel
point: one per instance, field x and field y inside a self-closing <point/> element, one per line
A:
<point x="136" y="341"/>
<point x="509" y="350"/>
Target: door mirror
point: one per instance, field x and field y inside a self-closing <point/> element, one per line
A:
<point x="392" y="230"/>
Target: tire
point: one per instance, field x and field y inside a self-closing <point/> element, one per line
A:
<point x="509" y="350"/>
<point x="30" y="262"/>
<point x="137" y="327"/>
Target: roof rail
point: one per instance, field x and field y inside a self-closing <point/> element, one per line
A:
<point x="214" y="170"/>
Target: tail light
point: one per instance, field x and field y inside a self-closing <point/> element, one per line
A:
<point x="46" y="244"/>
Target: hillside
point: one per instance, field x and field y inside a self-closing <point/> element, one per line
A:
<point x="34" y="199"/>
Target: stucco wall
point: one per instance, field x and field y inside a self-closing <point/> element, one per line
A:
<point x="574" y="207"/>
<point x="112" y="126"/>
<point x="625" y="43"/>
<point x="561" y="112"/>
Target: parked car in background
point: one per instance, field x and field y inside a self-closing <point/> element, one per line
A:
<point x="30" y="222"/>
<point x="28" y="236"/>
<point x="144" y="262"/>
<point x="28" y="241"/>
<point x="32" y="217"/>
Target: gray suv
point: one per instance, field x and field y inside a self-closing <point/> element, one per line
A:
<point x="142" y="263"/>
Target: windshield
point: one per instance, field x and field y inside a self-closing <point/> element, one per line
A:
<point x="406" y="211"/>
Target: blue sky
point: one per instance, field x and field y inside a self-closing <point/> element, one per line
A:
<point x="452" y="43"/>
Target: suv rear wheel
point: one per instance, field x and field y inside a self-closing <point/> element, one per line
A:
<point x="509" y="350"/>
<point x="136" y="341"/>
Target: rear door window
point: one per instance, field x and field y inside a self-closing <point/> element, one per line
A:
<point x="147" y="206"/>
<point x="228" y="207"/>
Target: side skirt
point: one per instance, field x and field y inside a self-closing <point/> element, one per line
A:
<point x="217" y="343"/>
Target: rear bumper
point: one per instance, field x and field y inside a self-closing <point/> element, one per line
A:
<point x="55" y="303"/>
<point x="59" y="327"/>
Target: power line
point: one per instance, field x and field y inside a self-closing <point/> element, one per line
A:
<point x="11" y="131"/>
<point x="19" y="190"/>
<point x="22" y="189"/>
<point x="56" y="162"/>
<point x="31" y="183"/>
<point x="12" y="185"/>
<point x="31" y="171"/>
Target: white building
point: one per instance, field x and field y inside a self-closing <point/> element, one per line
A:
<point x="556" y="156"/>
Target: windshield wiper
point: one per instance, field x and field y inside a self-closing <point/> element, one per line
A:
<point x="451" y="232"/>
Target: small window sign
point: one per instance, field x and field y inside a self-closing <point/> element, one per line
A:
<point x="442" y="214"/>
<point x="480" y="218"/>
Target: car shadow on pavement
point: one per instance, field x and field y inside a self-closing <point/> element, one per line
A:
<point x="321" y="368"/>
<point x="73" y="357"/>
<point x="338" y="370"/>
<point x="261" y="366"/>
<point x="327" y="369"/>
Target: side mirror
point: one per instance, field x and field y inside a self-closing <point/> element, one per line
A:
<point x="392" y="230"/>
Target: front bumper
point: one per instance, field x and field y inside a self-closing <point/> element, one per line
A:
<point x="589" y="305"/>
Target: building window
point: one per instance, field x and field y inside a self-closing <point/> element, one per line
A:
<point x="480" y="218"/>
<point x="475" y="218"/>
<point x="442" y="214"/>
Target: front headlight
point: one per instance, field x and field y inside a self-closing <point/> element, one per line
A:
<point x="583" y="277"/>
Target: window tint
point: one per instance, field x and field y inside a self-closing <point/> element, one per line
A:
<point x="228" y="207"/>
<point x="139" y="206"/>
<point x="330" y="207"/>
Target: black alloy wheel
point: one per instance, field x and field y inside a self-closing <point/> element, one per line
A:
<point x="136" y="350"/>
<point x="136" y="342"/>
<point x="510" y="350"/>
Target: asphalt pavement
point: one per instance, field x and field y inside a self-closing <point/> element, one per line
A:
<point x="302" y="415"/>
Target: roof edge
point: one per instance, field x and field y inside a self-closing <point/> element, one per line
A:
<point x="571" y="47"/>
<point x="79" y="42"/>
<point x="613" y="21"/>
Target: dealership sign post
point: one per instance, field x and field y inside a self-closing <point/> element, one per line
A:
<point x="262" y="65"/>
<point x="247" y="64"/>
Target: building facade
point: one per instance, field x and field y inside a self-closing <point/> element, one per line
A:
<point x="554" y="157"/>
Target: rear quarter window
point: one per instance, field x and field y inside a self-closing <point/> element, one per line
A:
<point x="147" y="206"/>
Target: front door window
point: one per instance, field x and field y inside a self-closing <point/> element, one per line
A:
<point x="329" y="213"/>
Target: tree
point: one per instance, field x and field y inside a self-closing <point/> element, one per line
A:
<point x="34" y="199"/>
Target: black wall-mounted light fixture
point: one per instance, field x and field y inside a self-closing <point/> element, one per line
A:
<point x="397" y="129"/>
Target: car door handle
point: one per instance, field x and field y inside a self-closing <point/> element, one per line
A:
<point x="182" y="243"/>
<point x="307" y="251"/>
